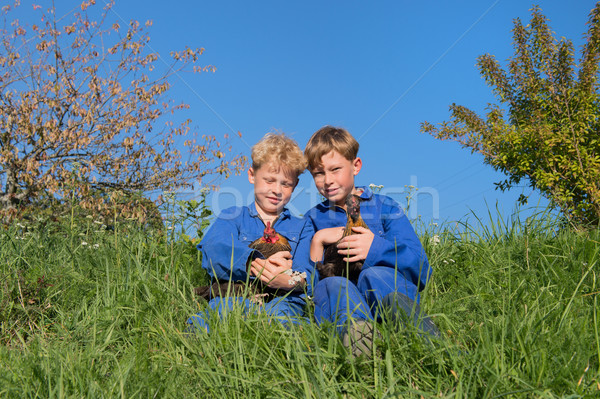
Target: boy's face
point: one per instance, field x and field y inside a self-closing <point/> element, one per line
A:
<point x="334" y="178"/>
<point x="273" y="188"/>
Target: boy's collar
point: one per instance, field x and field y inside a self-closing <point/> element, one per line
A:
<point x="366" y="192"/>
<point x="285" y="213"/>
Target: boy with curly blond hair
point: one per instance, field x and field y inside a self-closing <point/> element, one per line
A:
<point x="277" y="162"/>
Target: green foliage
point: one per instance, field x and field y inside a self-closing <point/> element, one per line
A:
<point x="91" y="312"/>
<point x="183" y="215"/>
<point x="546" y="129"/>
<point x="128" y="209"/>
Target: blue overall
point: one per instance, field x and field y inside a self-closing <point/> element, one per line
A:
<point x="225" y="256"/>
<point x="396" y="261"/>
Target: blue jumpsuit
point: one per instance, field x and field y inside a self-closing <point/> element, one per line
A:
<point x="225" y="256"/>
<point x="396" y="261"/>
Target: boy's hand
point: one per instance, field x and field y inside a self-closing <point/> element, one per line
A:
<point x="282" y="254"/>
<point x="321" y="238"/>
<point x="271" y="271"/>
<point x="356" y="246"/>
<point x="329" y="235"/>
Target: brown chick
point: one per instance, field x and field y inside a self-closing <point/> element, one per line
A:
<point x="334" y="264"/>
<point x="268" y="244"/>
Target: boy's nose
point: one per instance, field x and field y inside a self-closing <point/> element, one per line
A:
<point x="328" y="179"/>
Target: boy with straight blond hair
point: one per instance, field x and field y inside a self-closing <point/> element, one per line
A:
<point x="395" y="267"/>
<point x="277" y="162"/>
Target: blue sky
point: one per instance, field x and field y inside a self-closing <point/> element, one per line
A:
<point x="378" y="69"/>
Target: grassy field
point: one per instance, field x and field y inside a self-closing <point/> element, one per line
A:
<point x="91" y="312"/>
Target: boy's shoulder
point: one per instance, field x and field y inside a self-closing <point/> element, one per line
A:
<point x="382" y="199"/>
<point x="383" y="206"/>
<point x="317" y="211"/>
<point x="289" y="220"/>
<point x="234" y="212"/>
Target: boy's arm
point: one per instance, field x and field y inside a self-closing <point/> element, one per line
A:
<point x="301" y="261"/>
<point x="224" y="255"/>
<point x="400" y="247"/>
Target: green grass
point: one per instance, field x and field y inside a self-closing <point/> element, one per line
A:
<point x="517" y="304"/>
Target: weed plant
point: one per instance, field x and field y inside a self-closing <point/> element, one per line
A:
<point x="92" y="312"/>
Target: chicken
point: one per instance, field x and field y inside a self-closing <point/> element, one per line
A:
<point x="268" y="244"/>
<point x="334" y="264"/>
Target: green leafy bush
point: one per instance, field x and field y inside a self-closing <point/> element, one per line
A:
<point x="545" y="130"/>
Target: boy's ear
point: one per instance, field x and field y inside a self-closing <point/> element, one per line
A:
<point x="357" y="164"/>
<point x="251" y="175"/>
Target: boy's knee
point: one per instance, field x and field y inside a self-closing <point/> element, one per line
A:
<point x="331" y="284"/>
<point x="378" y="281"/>
<point x="369" y="273"/>
<point x="285" y="307"/>
<point x="376" y="277"/>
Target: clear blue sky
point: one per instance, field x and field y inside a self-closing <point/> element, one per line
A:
<point x="378" y="69"/>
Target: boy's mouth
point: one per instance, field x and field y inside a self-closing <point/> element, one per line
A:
<point x="273" y="200"/>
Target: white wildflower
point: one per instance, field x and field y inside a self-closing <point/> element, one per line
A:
<point x="20" y="225"/>
<point x="83" y="243"/>
<point x="296" y="277"/>
<point x="96" y="246"/>
<point x="445" y="261"/>
<point x="452" y="261"/>
<point x="435" y="240"/>
<point x="375" y="188"/>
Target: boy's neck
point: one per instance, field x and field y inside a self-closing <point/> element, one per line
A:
<point x="269" y="218"/>
<point x="266" y="217"/>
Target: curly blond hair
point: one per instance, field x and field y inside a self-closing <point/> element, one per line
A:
<point x="280" y="150"/>
<point x="327" y="139"/>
